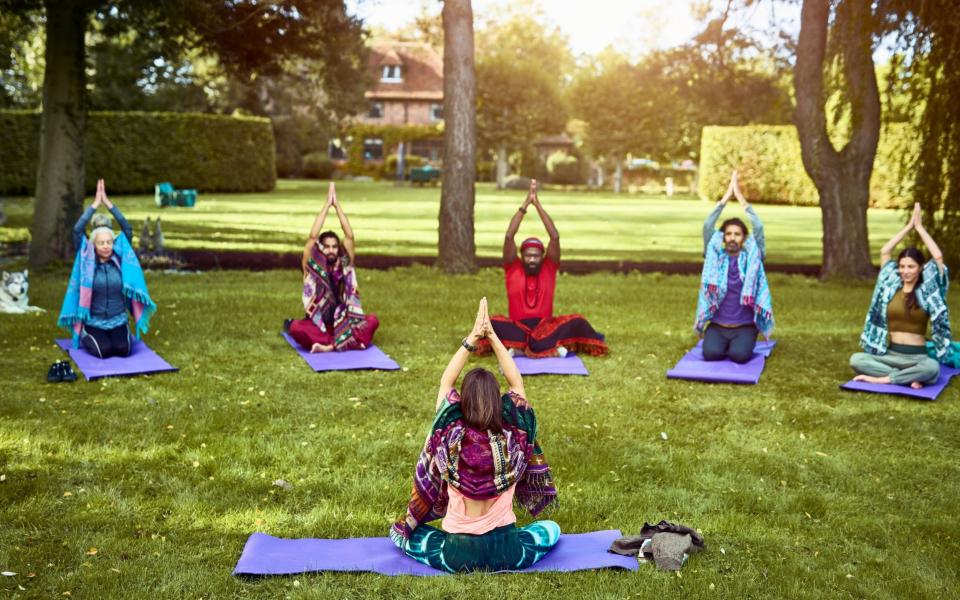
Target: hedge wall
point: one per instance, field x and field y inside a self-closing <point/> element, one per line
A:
<point x="135" y="150"/>
<point x="768" y="157"/>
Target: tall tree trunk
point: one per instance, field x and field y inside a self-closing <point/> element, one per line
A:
<point x="457" y="252"/>
<point x="842" y="178"/>
<point x="501" y="167"/>
<point x="618" y="177"/>
<point x="60" y="169"/>
<point x="401" y="166"/>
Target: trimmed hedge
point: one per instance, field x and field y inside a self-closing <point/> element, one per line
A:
<point x="771" y="171"/>
<point x="135" y="150"/>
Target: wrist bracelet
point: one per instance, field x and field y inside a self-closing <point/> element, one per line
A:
<point x="468" y="346"/>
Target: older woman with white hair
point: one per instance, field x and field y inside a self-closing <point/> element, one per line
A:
<point x="106" y="283"/>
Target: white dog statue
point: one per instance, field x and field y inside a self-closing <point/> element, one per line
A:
<point x="13" y="294"/>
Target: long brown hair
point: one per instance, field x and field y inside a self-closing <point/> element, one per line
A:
<point x="916" y="256"/>
<point x="480" y="401"/>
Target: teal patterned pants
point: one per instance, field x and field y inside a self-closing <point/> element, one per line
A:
<point x="504" y="548"/>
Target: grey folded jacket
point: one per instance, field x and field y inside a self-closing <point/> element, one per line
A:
<point x="629" y="545"/>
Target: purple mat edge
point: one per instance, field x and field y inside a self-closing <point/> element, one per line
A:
<point x="682" y="371"/>
<point x="553" y="360"/>
<point x="891" y="389"/>
<point x="411" y="567"/>
<point x="66" y="344"/>
<point x="394" y="365"/>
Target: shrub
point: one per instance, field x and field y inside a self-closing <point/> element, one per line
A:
<point x="771" y="171"/>
<point x="409" y="161"/>
<point x="564" y="169"/>
<point x="317" y="165"/>
<point x="135" y="150"/>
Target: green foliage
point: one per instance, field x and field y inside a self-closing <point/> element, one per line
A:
<point x="317" y="165"/>
<point x="410" y="161"/>
<point x="391" y="136"/>
<point x="768" y="158"/>
<point x="135" y="150"/>
<point x="564" y="169"/>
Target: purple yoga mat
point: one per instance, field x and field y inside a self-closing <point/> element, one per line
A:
<point x="266" y="555"/>
<point x="371" y="358"/>
<point x="568" y="365"/>
<point x="142" y="360"/>
<point x="693" y="367"/>
<point x="927" y="392"/>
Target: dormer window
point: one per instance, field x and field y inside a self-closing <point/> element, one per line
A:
<point x="391" y="73"/>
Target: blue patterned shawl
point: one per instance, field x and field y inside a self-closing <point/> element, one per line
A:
<point x="713" y="283"/>
<point x="79" y="295"/>
<point x="932" y="298"/>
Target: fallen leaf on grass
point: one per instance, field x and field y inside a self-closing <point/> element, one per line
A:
<point x="92" y="551"/>
<point x="280" y="483"/>
<point x="7" y="573"/>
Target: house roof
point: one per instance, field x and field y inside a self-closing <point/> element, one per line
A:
<point x="421" y="69"/>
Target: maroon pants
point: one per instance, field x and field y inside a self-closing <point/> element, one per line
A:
<point x="306" y="333"/>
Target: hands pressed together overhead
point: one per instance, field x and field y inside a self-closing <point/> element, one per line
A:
<point x="733" y="189"/>
<point x="482" y="327"/>
<point x="101" y="196"/>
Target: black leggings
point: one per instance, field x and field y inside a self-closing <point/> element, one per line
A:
<point x="104" y="343"/>
<point x="735" y="343"/>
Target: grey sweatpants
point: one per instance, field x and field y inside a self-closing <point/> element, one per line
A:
<point x="903" y="369"/>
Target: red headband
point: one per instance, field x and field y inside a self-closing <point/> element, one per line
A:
<point x="531" y="242"/>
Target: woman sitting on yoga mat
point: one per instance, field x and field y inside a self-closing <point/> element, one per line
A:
<point x="909" y="294"/>
<point x="105" y="283"/>
<point x="480" y="457"/>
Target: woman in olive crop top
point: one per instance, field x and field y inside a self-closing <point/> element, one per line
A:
<point x="908" y="295"/>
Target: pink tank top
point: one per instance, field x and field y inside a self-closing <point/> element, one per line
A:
<point x="457" y="521"/>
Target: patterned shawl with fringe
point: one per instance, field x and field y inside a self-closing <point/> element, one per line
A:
<point x="336" y="289"/>
<point x="75" y="310"/>
<point x="931" y="296"/>
<point x="481" y="465"/>
<point x="713" y="283"/>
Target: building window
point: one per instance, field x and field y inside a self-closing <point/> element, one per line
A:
<point x="391" y="73"/>
<point x="372" y="149"/>
<point x="376" y="110"/>
<point x="436" y="112"/>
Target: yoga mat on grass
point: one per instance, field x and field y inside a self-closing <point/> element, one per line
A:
<point x="267" y="555"/>
<point x="927" y="392"/>
<point x="350" y="360"/>
<point x="568" y="365"/>
<point x="142" y="360"/>
<point x="693" y="366"/>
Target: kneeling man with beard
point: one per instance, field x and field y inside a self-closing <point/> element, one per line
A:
<point x="532" y="329"/>
<point x="734" y="303"/>
<point x="335" y="320"/>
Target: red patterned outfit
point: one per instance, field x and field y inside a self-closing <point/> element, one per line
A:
<point x="531" y="326"/>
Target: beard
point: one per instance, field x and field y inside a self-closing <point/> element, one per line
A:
<point x="531" y="269"/>
<point x="732" y="247"/>
<point x="331" y="258"/>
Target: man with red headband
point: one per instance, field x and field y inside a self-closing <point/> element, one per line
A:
<point x="531" y="279"/>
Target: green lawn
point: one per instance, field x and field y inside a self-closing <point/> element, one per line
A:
<point x="403" y="221"/>
<point x="800" y="489"/>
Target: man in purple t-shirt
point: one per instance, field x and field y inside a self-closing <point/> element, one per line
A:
<point x="732" y="332"/>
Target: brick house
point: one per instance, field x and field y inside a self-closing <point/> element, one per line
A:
<point x="407" y="90"/>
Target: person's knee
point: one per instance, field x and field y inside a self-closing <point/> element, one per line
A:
<point x="930" y="370"/>
<point x="713" y="353"/>
<point x="741" y="356"/>
<point x="856" y="361"/>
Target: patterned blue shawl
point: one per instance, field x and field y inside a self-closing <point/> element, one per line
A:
<point x="932" y="298"/>
<point x="713" y="283"/>
<point x="79" y="295"/>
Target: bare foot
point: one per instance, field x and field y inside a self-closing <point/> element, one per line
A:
<point x="320" y="348"/>
<point x="916" y="385"/>
<point x="870" y="379"/>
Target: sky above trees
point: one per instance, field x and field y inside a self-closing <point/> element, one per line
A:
<point x="634" y="27"/>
